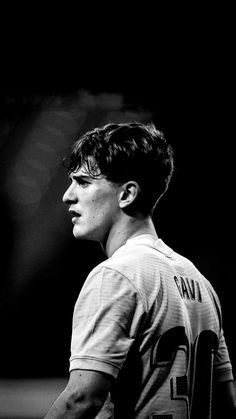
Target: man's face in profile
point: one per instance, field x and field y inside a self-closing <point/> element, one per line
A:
<point x="93" y="204"/>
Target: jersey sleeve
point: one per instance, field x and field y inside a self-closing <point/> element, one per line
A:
<point x="105" y="322"/>
<point x="222" y="363"/>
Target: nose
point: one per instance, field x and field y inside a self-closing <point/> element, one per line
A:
<point x="69" y="195"/>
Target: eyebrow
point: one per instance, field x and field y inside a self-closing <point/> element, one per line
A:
<point x="79" y="177"/>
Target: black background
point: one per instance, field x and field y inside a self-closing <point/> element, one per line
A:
<point x="182" y="73"/>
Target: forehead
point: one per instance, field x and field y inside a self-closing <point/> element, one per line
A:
<point x="87" y="170"/>
<point x="99" y="180"/>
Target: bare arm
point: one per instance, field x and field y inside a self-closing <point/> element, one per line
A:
<point x="224" y="400"/>
<point x="83" y="396"/>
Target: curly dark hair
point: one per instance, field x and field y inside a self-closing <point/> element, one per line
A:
<point x="123" y="152"/>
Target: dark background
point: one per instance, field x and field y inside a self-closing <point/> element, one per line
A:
<point x="58" y="84"/>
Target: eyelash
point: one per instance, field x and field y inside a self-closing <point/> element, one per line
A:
<point x="82" y="183"/>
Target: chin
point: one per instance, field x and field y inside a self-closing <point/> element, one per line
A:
<point x="79" y="235"/>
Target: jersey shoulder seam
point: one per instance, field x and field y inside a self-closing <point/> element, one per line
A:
<point x="143" y="299"/>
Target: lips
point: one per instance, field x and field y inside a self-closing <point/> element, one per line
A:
<point x="74" y="214"/>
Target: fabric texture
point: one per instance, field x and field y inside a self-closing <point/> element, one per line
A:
<point x="151" y="320"/>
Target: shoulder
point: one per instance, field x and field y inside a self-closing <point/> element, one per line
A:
<point x="113" y="276"/>
<point x="127" y="273"/>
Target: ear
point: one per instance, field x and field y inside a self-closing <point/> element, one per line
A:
<point x="128" y="193"/>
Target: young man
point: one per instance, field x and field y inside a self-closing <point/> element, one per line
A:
<point x="147" y="338"/>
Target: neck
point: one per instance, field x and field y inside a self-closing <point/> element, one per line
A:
<point x="130" y="227"/>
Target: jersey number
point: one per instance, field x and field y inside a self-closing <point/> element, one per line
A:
<point x="198" y="366"/>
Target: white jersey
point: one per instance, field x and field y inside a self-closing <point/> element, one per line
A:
<point x="149" y="318"/>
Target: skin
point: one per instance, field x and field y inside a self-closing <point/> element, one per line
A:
<point x="83" y="396"/>
<point x="98" y="212"/>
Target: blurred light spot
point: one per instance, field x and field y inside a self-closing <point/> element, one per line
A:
<point x="53" y="136"/>
<point x="59" y="119"/>
<point x="117" y="116"/>
<point x="86" y="99"/>
<point x="41" y="152"/>
<point x="25" y="194"/>
<point x="23" y="190"/>
<point x="109" y="101"/>
<point x="32" y="169"/>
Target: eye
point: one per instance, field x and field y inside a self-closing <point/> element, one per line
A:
<point x="83" y="183"/>
<point x="80" y="180"/>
